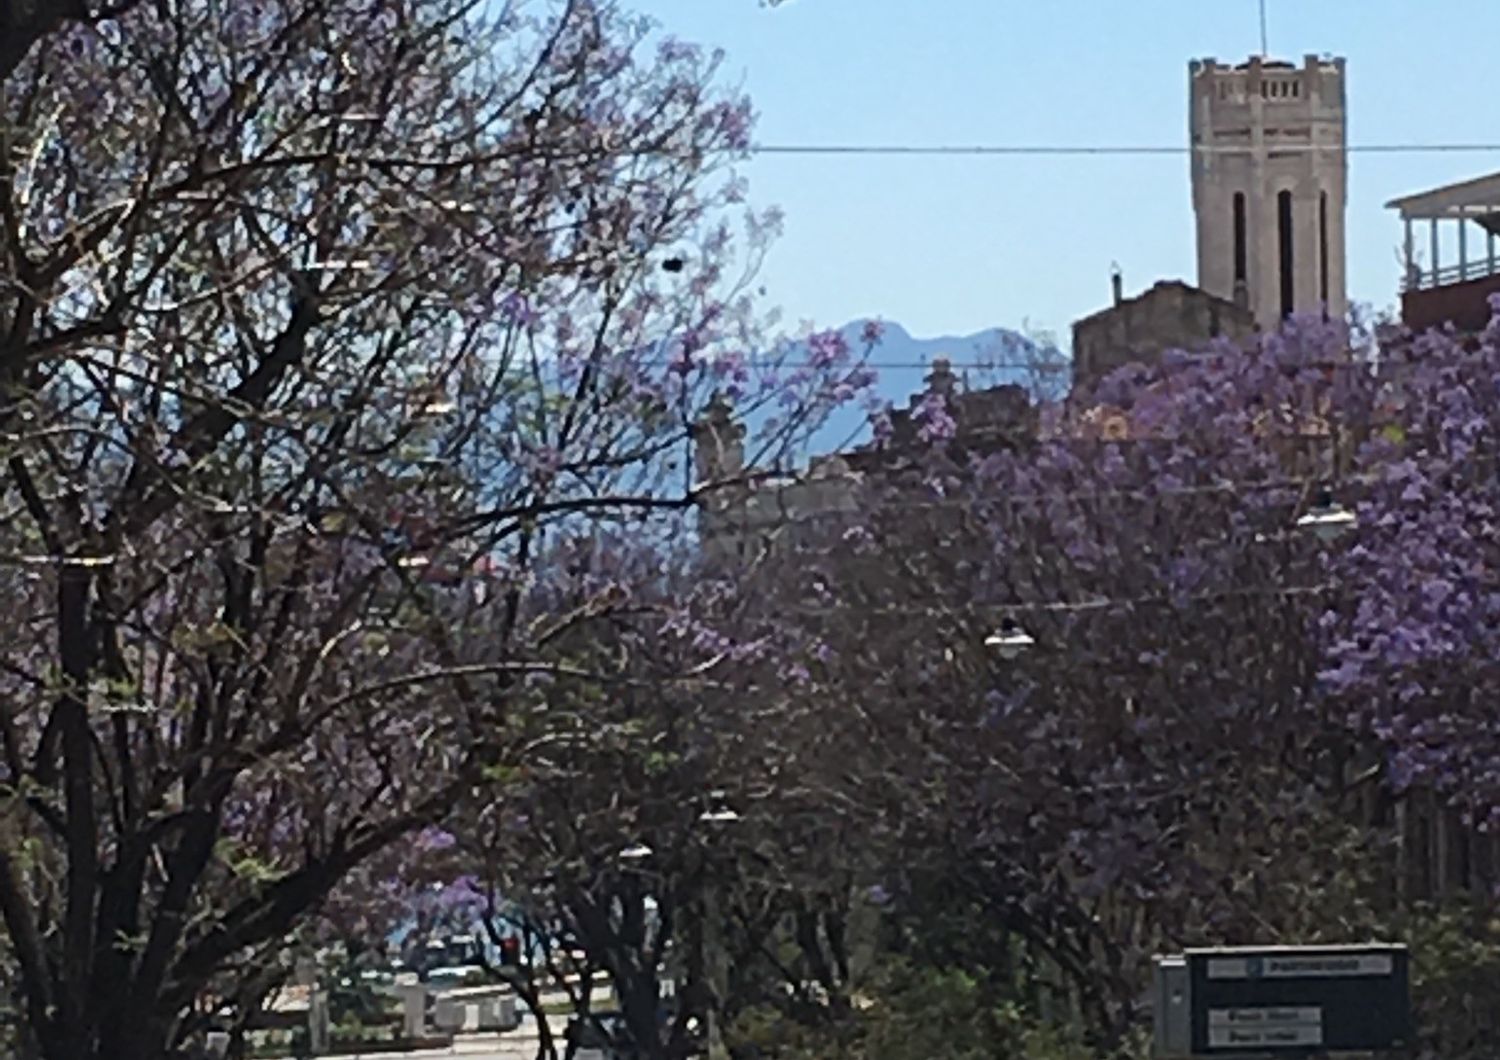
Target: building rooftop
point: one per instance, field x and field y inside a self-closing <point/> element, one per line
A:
<point x="1157" y="289"/>
<point x="1209" y="64"/>
<point x="1476" y="199"/>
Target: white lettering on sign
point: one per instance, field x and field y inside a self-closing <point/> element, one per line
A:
<point x="1264" y="1037"/>
<point x="1265" y="1026"/>
<point x="1271" y="966"/>
<point x="1259" y="1017"/>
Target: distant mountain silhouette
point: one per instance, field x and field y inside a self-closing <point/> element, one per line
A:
<point x="983" y="359"/>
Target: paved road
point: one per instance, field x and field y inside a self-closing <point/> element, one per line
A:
<point x="519" y="1044"/>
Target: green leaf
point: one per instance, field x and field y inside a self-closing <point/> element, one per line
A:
<point x="501" y="773"/>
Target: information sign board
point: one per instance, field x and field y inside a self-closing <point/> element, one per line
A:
<point x="1309" y="999"/>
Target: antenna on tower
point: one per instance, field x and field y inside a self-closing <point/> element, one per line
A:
<point x="1265" y="49"/>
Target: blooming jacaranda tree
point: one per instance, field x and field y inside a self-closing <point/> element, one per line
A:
<point x="1409" y="657"/>
<point x="600" y="847"/>
<point x="326" y="326"/>
<point x="1219" y="704"/>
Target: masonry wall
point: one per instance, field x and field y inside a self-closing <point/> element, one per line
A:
<point x="1464" y="305"/>
<point x="1169" y="316"/>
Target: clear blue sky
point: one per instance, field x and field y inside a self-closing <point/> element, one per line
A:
<point x="952" y="245"/>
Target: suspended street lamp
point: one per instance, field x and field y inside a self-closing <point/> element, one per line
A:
<point x="1010" y="640"/>
<point x="1327" y="519"/>
<point x="719" y="811"/>
<point x="636" y="852"/>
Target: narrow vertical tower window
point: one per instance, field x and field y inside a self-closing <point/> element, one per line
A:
<point x="1288" y="262"/>
<point x="1323" y="249"/>
<point x="1240" y="252"/>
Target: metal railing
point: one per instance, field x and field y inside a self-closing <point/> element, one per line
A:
<point x="1448" y="275"/>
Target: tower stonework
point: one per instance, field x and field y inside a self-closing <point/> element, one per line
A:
<point x="1270" y="172"/>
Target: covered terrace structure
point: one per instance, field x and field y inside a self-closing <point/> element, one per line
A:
<point x="1455" y="292"/>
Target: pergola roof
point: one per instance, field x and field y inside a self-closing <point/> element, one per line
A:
<point x="1476" y="200"/>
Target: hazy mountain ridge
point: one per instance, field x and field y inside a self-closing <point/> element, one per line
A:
<point x="981" y="359"/>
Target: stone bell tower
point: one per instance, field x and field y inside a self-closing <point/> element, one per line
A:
<point x="1269" y="176"/>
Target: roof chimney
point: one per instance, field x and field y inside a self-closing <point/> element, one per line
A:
<point x="1117" y="282"/>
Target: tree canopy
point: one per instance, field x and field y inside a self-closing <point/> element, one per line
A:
<point x="334" y="338"/>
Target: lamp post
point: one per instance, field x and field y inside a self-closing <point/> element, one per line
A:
<point x="708" y="953"/>
<point x="718" y="815"/>
<point x="215" y="1043"/>
<point x="629" y="989"/>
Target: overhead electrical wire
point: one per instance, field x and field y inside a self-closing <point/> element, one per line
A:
<point x="1074" y="150"/>
<point x="1230" y="488"/>
<point x="1061" y="364"/>
<point x="1103" y="603"/>
<point x="1045" y="367"/>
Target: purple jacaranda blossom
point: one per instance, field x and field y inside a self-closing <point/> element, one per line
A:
<point x="434" y="839"/>
<point x="934" y="421"/>
<point x="826" y="349"/>
<point x="673" y="50"/>
<point x="733" y="121"/>
<point x="517" y="309"/>
<point x="732" y="365"/>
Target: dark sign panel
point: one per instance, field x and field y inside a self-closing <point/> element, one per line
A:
<point x="1309" y="999"/>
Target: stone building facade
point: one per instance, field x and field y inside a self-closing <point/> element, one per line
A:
<point x="1269" y="173"/>
<point x="1170" y="315"/>
<point x="745" y="508"/>
<point x="740" y="508"/>
<point x="992" y="417"/>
